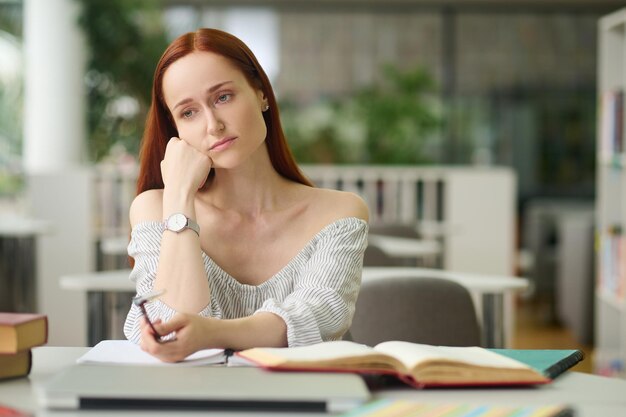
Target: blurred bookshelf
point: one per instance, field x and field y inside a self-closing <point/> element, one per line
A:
<point x="610" y="309"/>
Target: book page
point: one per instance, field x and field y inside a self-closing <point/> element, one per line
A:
<point x="321" y="351"/>
<point x="411" y="354"/>
<point x="333" y="355"/>
<point x="124" y="352"/>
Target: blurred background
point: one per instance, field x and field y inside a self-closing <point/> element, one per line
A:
<point x="431" y="90"/>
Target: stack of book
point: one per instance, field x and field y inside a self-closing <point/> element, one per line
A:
<point x="19" y="332"/>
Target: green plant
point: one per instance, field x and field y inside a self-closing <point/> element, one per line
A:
<point x="389" y="123"/>
<point x="11" y="100"/>
<point x="125" y="39"/>
<point x="323" y="132"/>
<point x="399" y="117"/>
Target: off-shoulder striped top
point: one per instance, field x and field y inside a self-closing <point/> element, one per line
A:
<point x="314" y="293"/>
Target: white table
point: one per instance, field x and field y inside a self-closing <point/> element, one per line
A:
<point x="589" y="395"/>
<point x="103" y="290"/>
<point x="419" y="251"/>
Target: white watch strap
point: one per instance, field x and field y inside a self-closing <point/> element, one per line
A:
<point x="193" y="225"/>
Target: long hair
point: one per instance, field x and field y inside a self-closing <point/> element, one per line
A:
<point x="159" y="122"/>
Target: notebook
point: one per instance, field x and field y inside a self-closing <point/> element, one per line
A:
<point x="200" y="388"/>
<point x="400" y="408"/>
<point x="124" y="352"/>
<point x="550" y="362"/>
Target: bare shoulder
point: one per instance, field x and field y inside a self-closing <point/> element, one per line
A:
<point x="147" y="206"/>
<point x="339" y="204"/>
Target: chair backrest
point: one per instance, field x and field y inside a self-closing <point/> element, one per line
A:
<point x="375" y="256"/>
<point x="395" y="229"/>
<point x="415" y="309"/>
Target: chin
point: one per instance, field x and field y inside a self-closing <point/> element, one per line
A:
<point x="226" y="163"/>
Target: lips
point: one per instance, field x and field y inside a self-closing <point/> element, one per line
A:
<point x="222" y="143"/>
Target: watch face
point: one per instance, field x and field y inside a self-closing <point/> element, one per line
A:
<point x="176" y="222"/>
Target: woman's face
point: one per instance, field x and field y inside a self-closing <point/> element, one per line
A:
<point x="215" y="109"/>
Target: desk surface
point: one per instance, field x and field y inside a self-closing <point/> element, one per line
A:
<point x="17" y="226"/>
<point x="118" y="280"/>
<point x="590" y="395"/>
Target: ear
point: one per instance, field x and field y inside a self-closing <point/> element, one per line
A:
<point x="263" y="102"/>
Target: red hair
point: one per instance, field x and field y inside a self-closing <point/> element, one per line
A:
<point x="159" y="123"/>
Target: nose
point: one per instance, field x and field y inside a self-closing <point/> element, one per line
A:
<point x="214" y="125"/>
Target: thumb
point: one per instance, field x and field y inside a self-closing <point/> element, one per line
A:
<point x="175" y="323"/>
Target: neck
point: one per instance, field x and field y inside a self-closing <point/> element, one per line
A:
<point x="250" y="190"/>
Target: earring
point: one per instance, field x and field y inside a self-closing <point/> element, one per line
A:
<point x="266" y="108"/>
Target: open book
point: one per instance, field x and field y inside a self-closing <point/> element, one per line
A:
<point x="416" y="364"/>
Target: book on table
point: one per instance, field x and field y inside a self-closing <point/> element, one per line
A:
<point x="19" y="332"/>
<point x="417" y="364"/>
<point x="15" y="364"/>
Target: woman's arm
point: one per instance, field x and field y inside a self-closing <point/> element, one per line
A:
<point x="194" y="333"/>
<point x="181" y="269"/>
<point x="165" y="259"/>
<point x="321" y="305"/>
<point x="145" y="248"/>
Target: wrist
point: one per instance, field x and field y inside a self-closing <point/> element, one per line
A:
<point x="220" y="331"/>
<point x="178" y="201"/>
<point x="178" y="222"/>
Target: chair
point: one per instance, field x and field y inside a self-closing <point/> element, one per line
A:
<point x="395" y="229"/>
<point x="415" y="309"/>
<point x="375" y="256"/>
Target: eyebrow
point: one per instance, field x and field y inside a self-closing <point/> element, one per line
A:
<point x="209" y="90"/>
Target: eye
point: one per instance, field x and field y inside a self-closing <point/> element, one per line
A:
<point x="223" y="98"/>
<point x="187" y="114"/>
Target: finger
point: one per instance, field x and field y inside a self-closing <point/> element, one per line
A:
<point x="165" y="351"/>
<point x="174" y="324"/>
<point x="172" y="141"/>
<point x="142" y="336"/>
<point x="143" y="325"/>
<point x="148" y="342"/>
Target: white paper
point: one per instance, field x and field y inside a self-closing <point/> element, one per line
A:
<point x="124" y="352"/>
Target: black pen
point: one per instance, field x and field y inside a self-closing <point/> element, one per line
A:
<point x="141" y="300"/>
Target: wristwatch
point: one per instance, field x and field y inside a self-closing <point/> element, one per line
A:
<point x="178" y="222"/>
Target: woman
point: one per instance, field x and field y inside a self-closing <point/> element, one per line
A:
<point x="248" y="251"/>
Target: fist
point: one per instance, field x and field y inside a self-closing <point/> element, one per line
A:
<point x="183" y="167"/>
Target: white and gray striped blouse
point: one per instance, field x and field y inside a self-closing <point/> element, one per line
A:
<point x="314" y="293"/>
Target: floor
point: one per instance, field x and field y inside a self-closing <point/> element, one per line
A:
<point x="532" y="331"/>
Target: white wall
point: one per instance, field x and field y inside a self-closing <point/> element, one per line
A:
<point x="58" y="187"/>
<point x="64" y="200"/>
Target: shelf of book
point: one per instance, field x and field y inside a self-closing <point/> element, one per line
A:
<point x="612" y="160"/>
<point x="610" y="309"/>
<point x="609" y="363"/>
<point x="611" y="299"/>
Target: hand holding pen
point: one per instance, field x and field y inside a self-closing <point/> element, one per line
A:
<point x="140" y="301"/>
